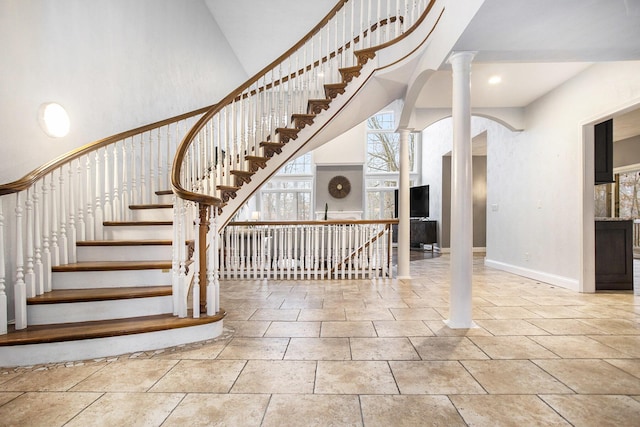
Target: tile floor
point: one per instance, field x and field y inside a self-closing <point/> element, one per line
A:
<point x="365" y="352"/>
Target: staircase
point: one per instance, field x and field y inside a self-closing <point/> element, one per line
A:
<point x="104" y="263"/>
<point x="117" y="298"/>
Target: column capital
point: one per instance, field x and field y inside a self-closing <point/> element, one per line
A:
<point x="461" y="57"/>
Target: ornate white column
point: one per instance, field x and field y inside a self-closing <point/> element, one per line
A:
<point x="460" y="307"/>
<point x="403" y="208"/>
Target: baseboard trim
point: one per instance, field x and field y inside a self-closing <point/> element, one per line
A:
<point x="552" y="279"/>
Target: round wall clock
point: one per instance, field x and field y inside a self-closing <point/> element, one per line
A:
<point x="339" y="187"/>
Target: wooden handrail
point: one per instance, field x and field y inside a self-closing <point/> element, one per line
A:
<point x="183" y="193"/>
<point x="390" y="221"/>
<point x="29" y="179"/>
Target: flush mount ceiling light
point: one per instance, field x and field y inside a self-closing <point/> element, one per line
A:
<point x="494" y="80"/>
<point x="54" y="120"/>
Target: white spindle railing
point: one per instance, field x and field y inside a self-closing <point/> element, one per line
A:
<point x="251" y="124"/>
<point x="306" y="250"/>
<point x="67" y="201"/>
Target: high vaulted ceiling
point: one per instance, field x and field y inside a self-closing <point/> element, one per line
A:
<point x="534" y="45"/>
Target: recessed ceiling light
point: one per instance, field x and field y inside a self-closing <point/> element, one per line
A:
<point x="54" y="120"/>
<point x="494" y="80"/>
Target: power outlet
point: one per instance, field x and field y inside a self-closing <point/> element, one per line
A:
<point x="526" y="256"/>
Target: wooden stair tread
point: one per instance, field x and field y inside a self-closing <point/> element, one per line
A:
<point x="101" y="329"/>
<point x="151" y="206"/>
<point x="99" y="294"/>
<point x="164" y="192"/>
<point x="134" y="223"/>
<point x="149" y="242"/>
<point x="113" y="266"/>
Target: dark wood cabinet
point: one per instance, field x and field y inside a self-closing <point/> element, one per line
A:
<point x="603" y="152"/>
<point x="420" y="233"/>
<point x="614" y="255"/>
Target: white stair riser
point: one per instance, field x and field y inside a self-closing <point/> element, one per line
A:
<point x="110" y="279"/>
<point x="33" y="354"/>
<point x="160" y="214"/>
<point x="138" y="232"/>
<point x="44" y="314"/>
<point x="124" y="253"/>
<point x="164" y="199"/>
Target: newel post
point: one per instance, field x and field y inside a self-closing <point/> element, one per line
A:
<point x="203" y="229"/>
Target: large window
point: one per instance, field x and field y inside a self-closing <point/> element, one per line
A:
<point x="288" y="195"/>
<point x="383" y="165"/>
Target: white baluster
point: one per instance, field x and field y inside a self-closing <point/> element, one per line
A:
<point x="195" y="289"/>
<point x="175" y="258"/>
<point x="3" y="295"/>
<point x="158" y="185"/>
<point x="99" y="214"/>
<point x="37" y="239"/>
<point x="107" y="208"/>
<point x="269" y="248"/>
<point x="81" y="234"/>
<point x="71" y="227"/>
<point x="124" y="194"/>
<point x="134" y="173"/>
<point x="46" y="248"/>
<point x="89" y="199"/>
<point x="29" y="275"/>
<point x="55" y="251"/>
<point x="182" y="282"/>
<point x="19" y="287"/>
<point x="316" y="255"/>
<point x="213" y="283"/>
<point x="116" y="184"/>
<point x="63" y="242"/>
<point x="152" y="170"/>
<point x="143" y="186"/>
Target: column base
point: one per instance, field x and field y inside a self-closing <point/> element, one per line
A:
<point x="460" y="325"/>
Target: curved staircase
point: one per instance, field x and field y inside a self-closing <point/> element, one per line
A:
<point x="117" y="298"/>
<point x="128" y="287"/>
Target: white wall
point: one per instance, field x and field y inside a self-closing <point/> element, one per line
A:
<point x="114" y="65"/>
<point x="536" y="178"/>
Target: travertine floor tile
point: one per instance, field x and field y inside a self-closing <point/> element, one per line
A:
<point x="415" y="314"/>
<point x="318" y="349"/>
<point x="293" y="329"/>
<point x="556" y="312"/>
<point x="510" y="313"/>
<point x="588" y="376"/>
<point x="275" y="314"/>
<point x="45" y="409"/>
<point x="348" y="329"/>
<point x="382" y="349"/>
<point x="407" y="410"/>
<point x="197" y="409"/>
<point x="276" y="376"/>
<point x="205" y="376"/>
<point x="596" y="410"/>
<point x="128" y="409"/>
<point x="631" y="366"/>
<point x="312" y="410"/>
<point x="401" y="328"/>
<point x="513" y="377"/>
<point x="127" y="376"/>
<point x="440" y="329"/>
<point x="369" y="314"/>
<point x="255" y="348"/>
<point x="512" y="347"/>
<point x="510" y="327"/>
<point x="58" y="378"/>
<point x="205" y="352"/>
<point x="629" y="345"/>
<point x="434" y="377"/>
<point x="324" y="314"/>
<point x="565" y="326"/>
<point x="578" y="347"/>
<point x="447" y="348"/>
<point x="354" y="377"/>
<point x="507" y="411"/>
<point x="7" y="396"/>
<point x="248" y="328"/>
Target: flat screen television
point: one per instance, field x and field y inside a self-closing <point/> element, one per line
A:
<point x="418" y="202"/>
